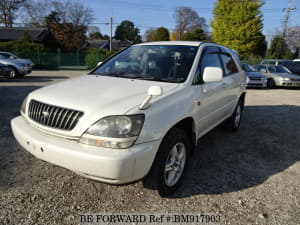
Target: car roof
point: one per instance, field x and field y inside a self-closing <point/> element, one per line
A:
<point x="188" y="43"/>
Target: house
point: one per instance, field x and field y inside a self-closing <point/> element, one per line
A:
<point x="104" y="44"/>
<point x="38" y="35"/>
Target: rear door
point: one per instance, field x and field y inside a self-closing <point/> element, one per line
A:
<point x="232" y="81"/>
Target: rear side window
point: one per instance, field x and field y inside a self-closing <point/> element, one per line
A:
<point x="229" y="64"/>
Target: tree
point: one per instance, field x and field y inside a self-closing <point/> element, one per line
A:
<point x="188" y="20"/>
<point x="149" y="34"/>
<point x="161" y="34"/>
<point x="279" y="49"/>
<point x="73" y="12"/>
<point x="174" y="36"/>
<point x="238" y="25"/>
<point x="197" y="35"/>
<point x="64" y="35"/>
<point x="261" y="47"/>
<point x="127" y="31"/>
<point x="293" y="39"/>
<point x="69" y="12"/>
<point x="35" y="12"/>
<point x="8" y="9"/>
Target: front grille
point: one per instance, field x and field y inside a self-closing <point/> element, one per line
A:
<point x="295" y="79"/>
<point x="255" y="78"/>
<point x="53" y="116"/>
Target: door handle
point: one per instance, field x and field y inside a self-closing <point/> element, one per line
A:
<point x="224" y="85"/>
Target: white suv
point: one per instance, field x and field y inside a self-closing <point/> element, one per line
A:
<point x="139" y="114"/>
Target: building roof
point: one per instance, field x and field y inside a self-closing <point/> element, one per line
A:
<point x="19" y="33"/>
<point x="104" y="44"/>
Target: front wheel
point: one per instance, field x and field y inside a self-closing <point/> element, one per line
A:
<point x="12" y="73"/>
<point x="234" y="121"/>
<point x="169" y="165"/>
<point x="271" y="83"/>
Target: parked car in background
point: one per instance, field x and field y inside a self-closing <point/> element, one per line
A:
<point x="294" y="66"/>
<point x="138" y="115"/>
<point x="276" y="61"/>
<point x="278" y="76"/>
<point x="4" y="71"/>
<point x="255" y="78"/>
<point x="18" y="66"/>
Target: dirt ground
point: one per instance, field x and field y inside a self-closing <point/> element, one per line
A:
<point x="249" y="177"/>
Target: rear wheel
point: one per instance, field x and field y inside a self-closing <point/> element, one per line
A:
<point x="233" y="122"/>
<point x="169" y="165"/>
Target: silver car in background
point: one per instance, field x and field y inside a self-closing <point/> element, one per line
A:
<point x="18" y="66"/>
<point x="254" y="78"/>
<point x="278" y="76"/>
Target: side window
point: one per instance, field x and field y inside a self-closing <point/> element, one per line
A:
<point x="229" y="64"/>
<point x="209" y="58"/>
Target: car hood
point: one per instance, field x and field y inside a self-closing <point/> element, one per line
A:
<point x="8" y="61"/>
<point x="286" y="75"/>
<point x="254" y="74"/>
<point x="99" y="96"/>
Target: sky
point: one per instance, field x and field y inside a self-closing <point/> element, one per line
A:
<point x="156" y="13"/>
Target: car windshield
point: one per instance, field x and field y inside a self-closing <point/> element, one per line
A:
<point x="278" y="69"/>
<point x="166" y="63"/>
<point x="260" y="68"/>
<point x="248" y="68"/>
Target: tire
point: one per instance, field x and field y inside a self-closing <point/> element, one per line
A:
<point x="271" y="83"/>
<point x="234" y="121"/>
<point x="169" y="165"/>
<point x="13" y="73"/>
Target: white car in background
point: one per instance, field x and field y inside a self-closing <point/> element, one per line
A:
<point x="278" y="76"/>
<point x="138" y="115"/>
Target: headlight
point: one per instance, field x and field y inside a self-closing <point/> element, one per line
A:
<point x="114" y="131"/>
<point x="285" y="78"/>
<point x="22" y="66"/>
<point x="23" y="106"/>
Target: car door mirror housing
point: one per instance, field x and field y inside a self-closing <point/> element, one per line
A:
<point x="212" y="74"/>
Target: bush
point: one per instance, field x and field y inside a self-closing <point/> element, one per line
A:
<point x="94" y="56"/>
<point x="22" y="49"/>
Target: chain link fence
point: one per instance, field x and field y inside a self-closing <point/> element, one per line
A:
<point x="55" y="58"/>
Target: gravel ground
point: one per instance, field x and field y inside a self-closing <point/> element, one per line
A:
<point x="250" y="177"/>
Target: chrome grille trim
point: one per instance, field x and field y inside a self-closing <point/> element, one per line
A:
<point x="53" y="116"/>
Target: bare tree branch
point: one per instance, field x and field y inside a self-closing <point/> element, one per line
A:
<point x="8" y="10"/>
<point x="188" y="20"/>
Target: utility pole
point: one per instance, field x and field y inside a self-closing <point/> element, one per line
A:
<point x="110" y="37"/>
<point x="285" y="24"/>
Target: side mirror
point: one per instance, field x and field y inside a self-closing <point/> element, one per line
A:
<point x="11" y="57"/>
<point x="152" y="91"/>
<point x="155" y="91"/>
<point x="212" y="74"/>
<point x="99" y="63"/>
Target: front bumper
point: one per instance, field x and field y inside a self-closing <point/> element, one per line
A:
<point x="289" y="83"/>
<point x="115" y="166"/>
<point x="256" y="83"/>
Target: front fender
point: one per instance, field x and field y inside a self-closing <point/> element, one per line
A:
<point x="165" y="113"/>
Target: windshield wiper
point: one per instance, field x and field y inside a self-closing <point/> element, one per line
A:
<point x="135" y="76"/>
<point x="120" y="74"/>
<point x="159" y="79"/>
